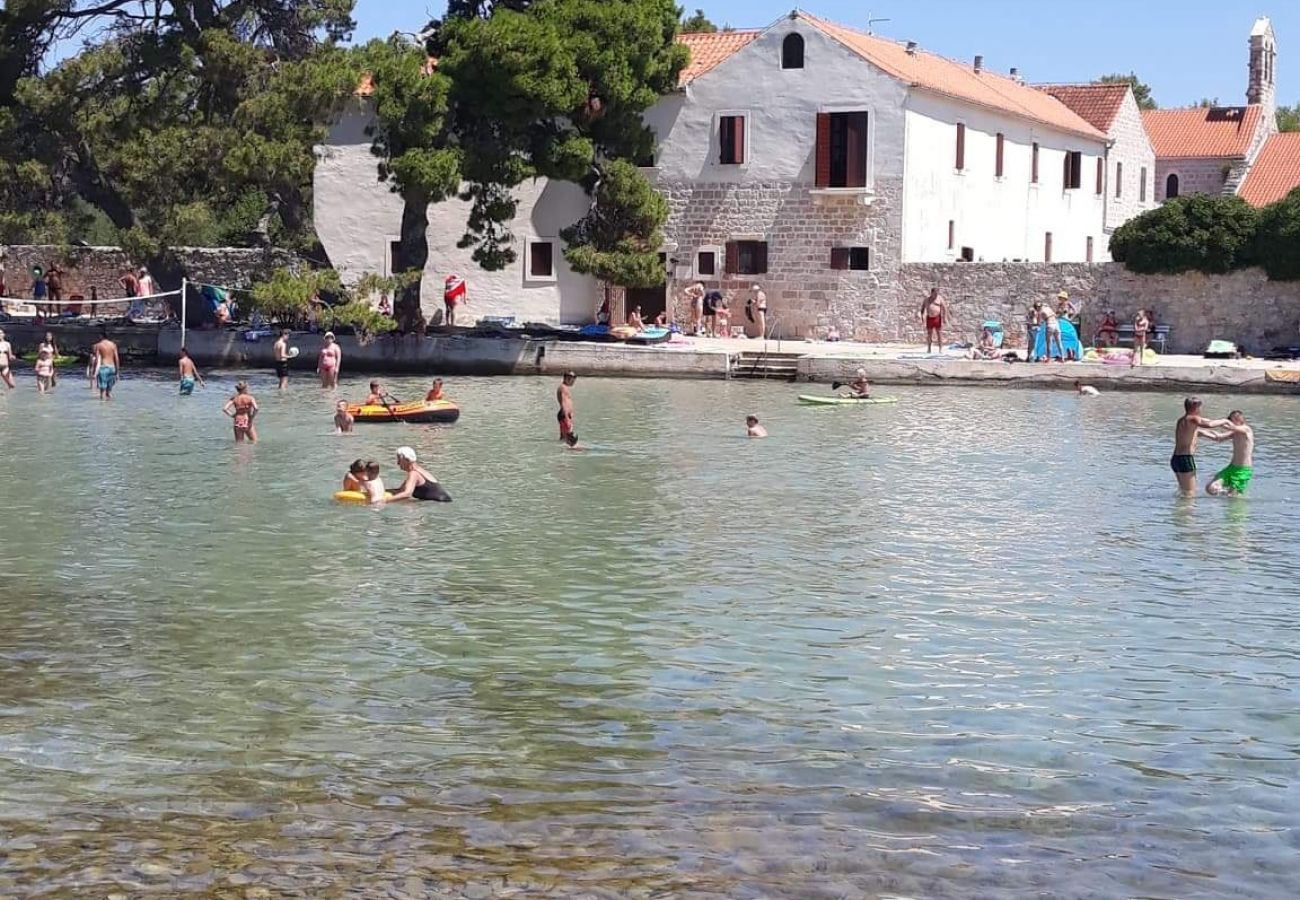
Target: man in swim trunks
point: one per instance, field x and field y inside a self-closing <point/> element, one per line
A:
<point x="1190" y="426"/>
<point x="281" y="351"/>
<point x="564" y="395"/>
<point x="1141" y="325"/>
<point x="242" y="408"/>
<point x="1234" y="478"/>
<point x="189" y="373"/>
<point x="933" y="309"/>
<point x="104" y="357"/>
<point x="6" y="360"/>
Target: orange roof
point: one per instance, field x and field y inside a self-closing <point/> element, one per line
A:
<point x="1276" y="171"/>
<point x="708" y="50"/>
<point x="1220" y="132"/>
<point x="1097" y="104"/>
<point x="958" y="80"/>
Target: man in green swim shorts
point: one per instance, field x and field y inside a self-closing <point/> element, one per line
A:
<point x="1235" y="477"/>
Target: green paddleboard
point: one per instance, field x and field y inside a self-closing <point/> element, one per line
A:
<point x="810" y="400"/>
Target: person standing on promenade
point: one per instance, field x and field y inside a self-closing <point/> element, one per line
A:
<point x="1191" y="425"/>
<point x="145" y="281"/>
<point x="1141" y="325"/>
<point x="1051" y="332"/>
<point x="6" y="361"/>
<point x="933" y="310"/>
<point x="710" y="310"/>
<point x="130" y="284"/>
<point x="1234" y="478"/>
<point x="106" y="362"/>
<point x="329" y="362"/>
<point x="1031" y="332"/>
<point x="281" y="353"/>
<point x="695" y="297"/>
<point x="564" y="395"/>
<point x="189" y="373"/>
<point x="242" y="408"/>
<point x="756" y="309"/>
<point x="454" y="292"/>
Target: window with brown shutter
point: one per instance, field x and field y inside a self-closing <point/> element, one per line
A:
<point x="860" y="258"/>
<point x="1072" y="170"/>
<point x="732" y="257"/>
<point x="823" y="175"/>
<point x="1089" y="257"/>
<point x="1001" y="149"/>
<point x="961" y="146"/>
<point x="1047" y="248"/>
<point x="731" y="140"/>
<point x="541" y="259"/>
<point x="1033" y="166"/>
<point x="839" y="257"/>
<point x="747" y="257"/>
<point x="1119" y="180"/>
<point x="1101" y="176"/>
<point x="1142" y="185"/>
<point x="952" y="234"/>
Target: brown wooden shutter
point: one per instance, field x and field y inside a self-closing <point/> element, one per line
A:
<point x="760" y="258"/>
<point x="1033" y="174"/>
<point x="738" y="126"/>
<point x="839" y="257"/>
<point x="733" y="258"/>
<point x="823" y="150"/>
<point x="961" y="146"/>
<point x="1101" y="176"/>
<point x="1001" y="153"/>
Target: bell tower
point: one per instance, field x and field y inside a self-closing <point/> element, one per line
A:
<point x="1263" y="63"/>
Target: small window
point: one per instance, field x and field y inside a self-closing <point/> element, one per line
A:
<point x="1142" y="185"/>
<point x="1089" y="256"/>
<point x="1119" y="180"/>
<point x="1033" y="165"/>
<point x="541" y="260"/>
<point x="952" y="234"/>
<point x="731" y="140"/>
<point x="792" y="52"/>
<point x="1101" y="176"/>
<point x="967" y="254"/>
<point x="1001" y="150"/>
<point x="855" y="258"/>
<point x="1072" y="176"/>
<point x="1171" y="187"/>
<point x="706" y="263"/>
<point x="747" y="257"/>
<point x="1047" y="248"/>
<point x="961" y="146"/>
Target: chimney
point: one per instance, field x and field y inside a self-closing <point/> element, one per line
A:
<point x="979" y="64"/>
<point x="1015" y="73"/>
<point x="911" y="48"/>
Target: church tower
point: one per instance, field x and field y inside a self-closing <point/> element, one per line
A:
<point x="1263" y="62"/>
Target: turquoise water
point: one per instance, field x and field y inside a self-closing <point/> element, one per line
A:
<point x="966" y="645"/>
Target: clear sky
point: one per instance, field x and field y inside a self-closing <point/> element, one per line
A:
<point x="1185" y="49"/>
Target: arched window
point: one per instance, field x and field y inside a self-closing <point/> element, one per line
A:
<point x="792" y="52"/>
<point x="1171" y="187"/>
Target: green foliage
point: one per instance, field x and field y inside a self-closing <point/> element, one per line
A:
<point x="288" y="294"/>
<point x="618" y="240"/>
<point x="1196" y="232"/>
<point x="1141" y="90"/>
<point x="361" y="317"/>
<point x="698" y="23"/>
<point x="1288" y="118"/>
<point x="1277" y="242"/>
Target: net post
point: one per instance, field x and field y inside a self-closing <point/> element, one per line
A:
<point x="184" y="306"/>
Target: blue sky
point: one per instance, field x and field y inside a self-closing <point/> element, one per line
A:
<point x="1185" y="49"/>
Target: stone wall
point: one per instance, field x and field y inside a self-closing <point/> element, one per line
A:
<point x="102" y="266"/>
<point x="1243" y="307"/>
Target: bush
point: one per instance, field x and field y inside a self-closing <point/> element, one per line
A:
<point x="362" y="318"/>
<point x="1196" y="233"/>
<point x="1277" y="240"/>
<point x="287" y="296"/>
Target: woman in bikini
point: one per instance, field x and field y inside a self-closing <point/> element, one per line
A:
<point x="242" y="408"/>
<point x="47" y="345"/>
<point x="329" y="362"/>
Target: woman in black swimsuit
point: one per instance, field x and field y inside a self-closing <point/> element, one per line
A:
<point x="419" y="484"/>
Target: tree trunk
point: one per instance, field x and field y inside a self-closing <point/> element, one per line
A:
<point x="414" y="254"/>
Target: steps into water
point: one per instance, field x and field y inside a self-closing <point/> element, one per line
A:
<point x="758" y="364"/>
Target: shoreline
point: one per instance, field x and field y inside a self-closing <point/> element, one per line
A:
<point x="787" y="361"/>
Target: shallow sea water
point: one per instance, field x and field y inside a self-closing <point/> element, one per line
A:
<point x="966" y="645"/>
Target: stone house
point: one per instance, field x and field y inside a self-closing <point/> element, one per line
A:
<point x="809" y="157"/>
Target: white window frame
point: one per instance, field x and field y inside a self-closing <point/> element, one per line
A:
<point x="870" y="186"/>
<point x="719" y="262"/>
<point x="528" y="260"/>
<point x="716" y="148"/>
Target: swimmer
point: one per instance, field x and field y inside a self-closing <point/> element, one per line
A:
<point x="189" y="373"/>
<point x="47" y="343"/>
<point x="859" y="387"/>
<point x="435" y="392"/>
<point x="753" y="429"/>
<point x="105" y="362"/>
<point x="355" y="479"/>
<point x="343" y="420"/>
<point x="1191" y="425"/>
<point x="1086" y="390"/>
<point x="418" y="484"/>
<point x="242" y="408"/>
<point x="564" y="395"/>
<point x="1234" y="478"/>
<point x="374" y="485"/>
<point x="44" y="371"/>
<point x="6" y="358"/>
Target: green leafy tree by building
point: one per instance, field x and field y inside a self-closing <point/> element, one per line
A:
<point x="1288" y="118"/>
<point x="698" y="24"/>
<point x="1141" y="90"/>
<point x="1193" y="233"/>
<point x="1277" y="241"/>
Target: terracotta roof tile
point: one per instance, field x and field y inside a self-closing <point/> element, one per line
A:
<point x="1096" y="104"/>
<point x="958" y="80"/>
<point x="708" y="50"/>
<point x="1276" y="171"/>
<point x="1220" y="132"/>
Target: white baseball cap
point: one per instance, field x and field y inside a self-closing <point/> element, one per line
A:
<point x="406" y="453"/>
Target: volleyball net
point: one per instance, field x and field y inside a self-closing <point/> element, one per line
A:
<point x="76" y="307"/>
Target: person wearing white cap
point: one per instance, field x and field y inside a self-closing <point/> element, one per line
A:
<point x="418" y="483"/>
<point x="329" y="362"/>
<point x="859" y="386"/>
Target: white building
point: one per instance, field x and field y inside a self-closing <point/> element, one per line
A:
<point x="810" y="157"/>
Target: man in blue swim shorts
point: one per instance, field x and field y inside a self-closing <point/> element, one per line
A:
<point x="189" y="373"/>
<point x="106" y="361"/>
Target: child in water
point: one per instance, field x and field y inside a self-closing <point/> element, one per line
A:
<point x="343" y="421"/>
<point x="242" y="408"/>
<point x="355" y="479"/>
<point x="753" y="429"/>
<point x="44" y="371"/>
<point x="374" y="485"/>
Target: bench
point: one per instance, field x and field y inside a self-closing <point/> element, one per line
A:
<point x="1156" y="337"/>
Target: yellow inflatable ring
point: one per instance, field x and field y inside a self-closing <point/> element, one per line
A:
<point x="353" y="496"/>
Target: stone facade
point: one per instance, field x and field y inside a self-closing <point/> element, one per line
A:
<point x="1131" y="149"/>
<point x="1195" y="176"/>
<point x="101" y="267"/>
